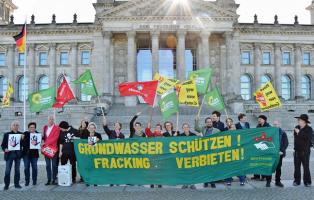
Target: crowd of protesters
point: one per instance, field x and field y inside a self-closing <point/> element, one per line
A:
<point x="58" y="139"/>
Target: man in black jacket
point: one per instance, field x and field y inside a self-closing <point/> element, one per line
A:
<point x="30" y="156"/>
<point x="242" y="124"/>
<point x="302" y="149"/>
<point x="283" y="139"/>
<point x="10" y="156"/>
<point x="216" y="121"/>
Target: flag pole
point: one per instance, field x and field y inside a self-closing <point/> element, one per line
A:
<point x="102" y="111"/>
<point x="200" y="109"/>
<point x="24" y="80"/>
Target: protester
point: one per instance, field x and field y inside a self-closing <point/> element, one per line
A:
<point x="12" y="156"/>
<point x="262" y="123"/>
<point x="302" y="149"/>
<point x="283" y="140"/>
<point x="206" y="131"/>
<point x="83" y="132"/>
<point x="186" y="133"/>
<point x="231" y="127"/>
<point x="51" y="133"/>
<point x="169" y="129"/>
<point x="92" y="133"/>
<point x="30" y="156"/>
<point x="113" y="134"/>
<point x="242" y="124"/>
<point x="216" y="121"/>
<point x="136" y="130"/>
<point x="66" y="153"/>
<point x="157" y="132"/>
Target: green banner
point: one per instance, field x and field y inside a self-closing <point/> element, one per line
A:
<point x="42" y="100"/>
<point x="179" y="160"/>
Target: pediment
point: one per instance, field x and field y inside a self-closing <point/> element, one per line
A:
<point x="169" y="8"/>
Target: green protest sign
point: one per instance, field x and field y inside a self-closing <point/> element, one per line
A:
<point x="179" y="160"/>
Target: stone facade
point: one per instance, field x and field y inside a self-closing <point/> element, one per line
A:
<point x="210" y="28"/>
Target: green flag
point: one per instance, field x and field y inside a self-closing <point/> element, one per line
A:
<point x="169" y="105"/>
<point x="87" y="84"/>
<point x="215" y="100"/>
<point x="42" y="100"/>
<point x="202" y="79"/>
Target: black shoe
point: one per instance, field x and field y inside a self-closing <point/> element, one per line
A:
<point x="307" y="184"/>
<point x="48" y="183"/>
<point x="159" y="186"/>
<point x="6" y="188"/>
<point x="54" y="182"/>
<point x="34" y="183"/>
<point x="87" y="185"/>
<point x="95" y="185"/>
<point x="279" y="184"/>
<point x="152" y="186"/>
<point x="18" y="187"/>
<point x="296" y="184"/>
<point x="73" y="181"/>
<point x="213" y="185"/>
<point x="205" y="185"/>
<point x="26" y="184"/>
<point x="268" y="184"/>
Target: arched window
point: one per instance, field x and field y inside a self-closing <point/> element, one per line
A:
<point x="3" y="85"/>
<point x="43" y="82"/>
<point x="265" y="79"/>
<point x="21" y="87"/>
<point x="306" y="87"/>
<point x="246" y="87"/>
<point x="286" y="87"/>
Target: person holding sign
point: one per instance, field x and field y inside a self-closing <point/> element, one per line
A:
<point x="51" y="133"/>
<point x="113" y="134"/>
<point x="12" y="153"/>
<point x="186" y="133"/>
<point x="136" y="130"/>
<point x="31" y="145"/>
<point x="66" y="153"/>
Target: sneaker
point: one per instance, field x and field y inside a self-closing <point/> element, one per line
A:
<point x="185" y="187"/>
<point x="213" y="185"/>
<point x="18" y="187"/>
<point x="268" y="184"/>
<point x="296" y="184"/>
<point x="279" y="184"/>
<point x="193" y="187"/>
<point x="242" y="184"/>
<point x="6" y="188"/>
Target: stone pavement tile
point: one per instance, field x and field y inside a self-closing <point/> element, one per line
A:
<point x="104" y="188"/>
<point x="42" y="187"/>
<point x="72" y="188"/>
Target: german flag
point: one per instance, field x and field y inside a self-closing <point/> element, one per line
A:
<point x="20" y="40"/>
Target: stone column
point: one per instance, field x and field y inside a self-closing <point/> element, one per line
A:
<point x="298" y="72"/>
<point x="52" y="65"/>
<point x="181" y="68"/>
<point x="257" y="65"/>
<point x="131" y="70"/>
<point x="205" y="49"/>
<point x="108" y="82"/>
<point x="155" y="51"/>
<point x="74" y="67"/>
<point x="278" y="69"/>
<point x="223" y="71"/>
<point x="31" y="70"/>
<point x="11" y="67"/>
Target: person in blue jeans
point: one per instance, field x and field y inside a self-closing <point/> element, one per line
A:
<point x="12" y="156"/>
<point x="30" y="156"/>
<point x="230" y="126"/>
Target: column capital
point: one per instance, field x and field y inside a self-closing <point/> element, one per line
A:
<point x="131" y="34"/>
<point x="107" y="34"/>
<point x="155" y="33"/>
<point x="205" y="34"/>
<point x="257" y="46"/>
<point x="181" y="33"/>
<point x="52" y="46"/>
<point x="298" y="46"/>
<point x="277" y="46"/>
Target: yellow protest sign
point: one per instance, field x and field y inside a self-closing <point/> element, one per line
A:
<point x="164" y="84"/>
<point x="188" y="93"/>
<point x="267" y="97"/>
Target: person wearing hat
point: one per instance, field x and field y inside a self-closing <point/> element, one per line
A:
<point x="262" y="123"/>
<point x="67" y="136"/>
<point x="302" y="149"/>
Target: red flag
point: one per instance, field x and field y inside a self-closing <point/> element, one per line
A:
<point x="64" y="94"/>
<point x="147" y="90"/>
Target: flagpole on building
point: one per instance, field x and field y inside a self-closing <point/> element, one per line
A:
<point x="24" y="80"/>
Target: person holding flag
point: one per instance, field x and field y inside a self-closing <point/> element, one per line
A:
<point x="136" y="130"/>
<point x="113" y="134"/>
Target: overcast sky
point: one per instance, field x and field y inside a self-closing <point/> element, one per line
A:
<point x="64" y="10"/>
